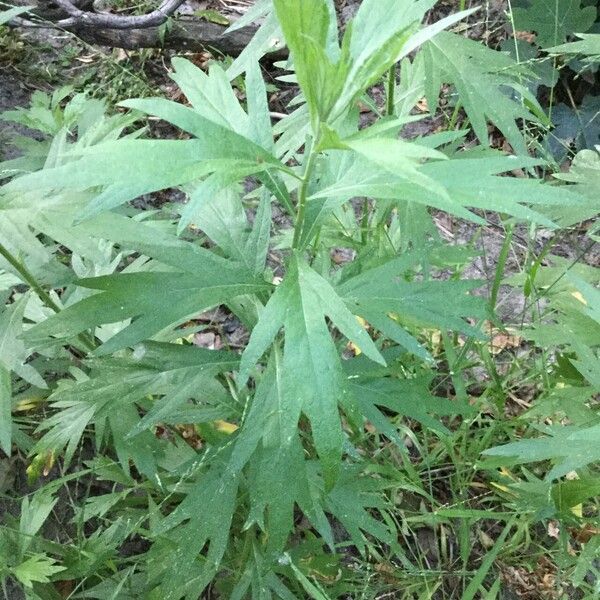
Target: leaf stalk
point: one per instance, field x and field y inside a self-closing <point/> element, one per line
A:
<point x="303" y="193"/>
<point x="36" y="286"/>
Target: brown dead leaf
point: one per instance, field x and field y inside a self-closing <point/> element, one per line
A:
<point x="65" y="588"/>
<point x="526" y="36"/>
<point x="486" y="541"/>
<point x="553" y="529"/>
<point x="585" y="533"/>
<point x="387" y="572"/>
<point x="502" y="339"/>
<point x="190" y="435"/>
<point x="208" y="339"/>
<point x="370" y="428"/>
<point x="201" y="59"/>
<point x="342" y="256"/>
<point x="539" y="583"/>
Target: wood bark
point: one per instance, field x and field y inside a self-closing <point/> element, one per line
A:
<point x="186" y="33"/>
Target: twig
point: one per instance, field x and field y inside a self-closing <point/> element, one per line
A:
<point x="80" y="17"/>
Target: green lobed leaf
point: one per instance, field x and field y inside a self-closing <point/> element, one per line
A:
<point x="273" y="495"/>
<point x="408" y="398"/>
<point x="484" y="84"/>
<point x="468" y="180"/>
<point x="13" y="356"/>
<point x="153" y="300"/>
<point x="37" y="568"/>
<point x="128" y="168"/>
<point x="569" y="448"/>
<point x="306" y="27"/>
<point x="171" y="371"/>
<point x="354" y="501"/>
<point x="553" y="21"/>
<point x="313" y="381"/>
<point x="386" y="300"/>
<point x="191" y="527"/>
<point x="5" y="410"/>
<point x="211" y="95"/>
<point x="587" y="45"/>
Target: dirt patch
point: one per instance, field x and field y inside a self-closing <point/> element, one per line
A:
<point x="13" y="93"/>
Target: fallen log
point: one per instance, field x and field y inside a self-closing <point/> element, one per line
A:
<point x="185" y="33"/>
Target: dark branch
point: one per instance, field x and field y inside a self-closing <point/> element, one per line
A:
<point x="186" y="34"/>
<point x="79" y="18"/>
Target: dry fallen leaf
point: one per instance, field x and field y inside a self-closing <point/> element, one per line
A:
<point x="190" y="435"/>
<point x="502" y="339"/>
<point x="526" y="36"/>
<point x="208" y="339"/>
<point x="585" y="534"/>
<point x="553" y="529"/>
<point x="486" y="541"/>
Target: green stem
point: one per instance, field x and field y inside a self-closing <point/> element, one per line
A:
<point x="502" y="258"/>
<point x="364" y="224"/>
<point x="391" y="88"/>
<point x="315" y="245"/>
<point x="34" y="284"/>
<point x="303" y="192"/>
<point x="29" y="279"/>
<point x="454" y="117"/>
